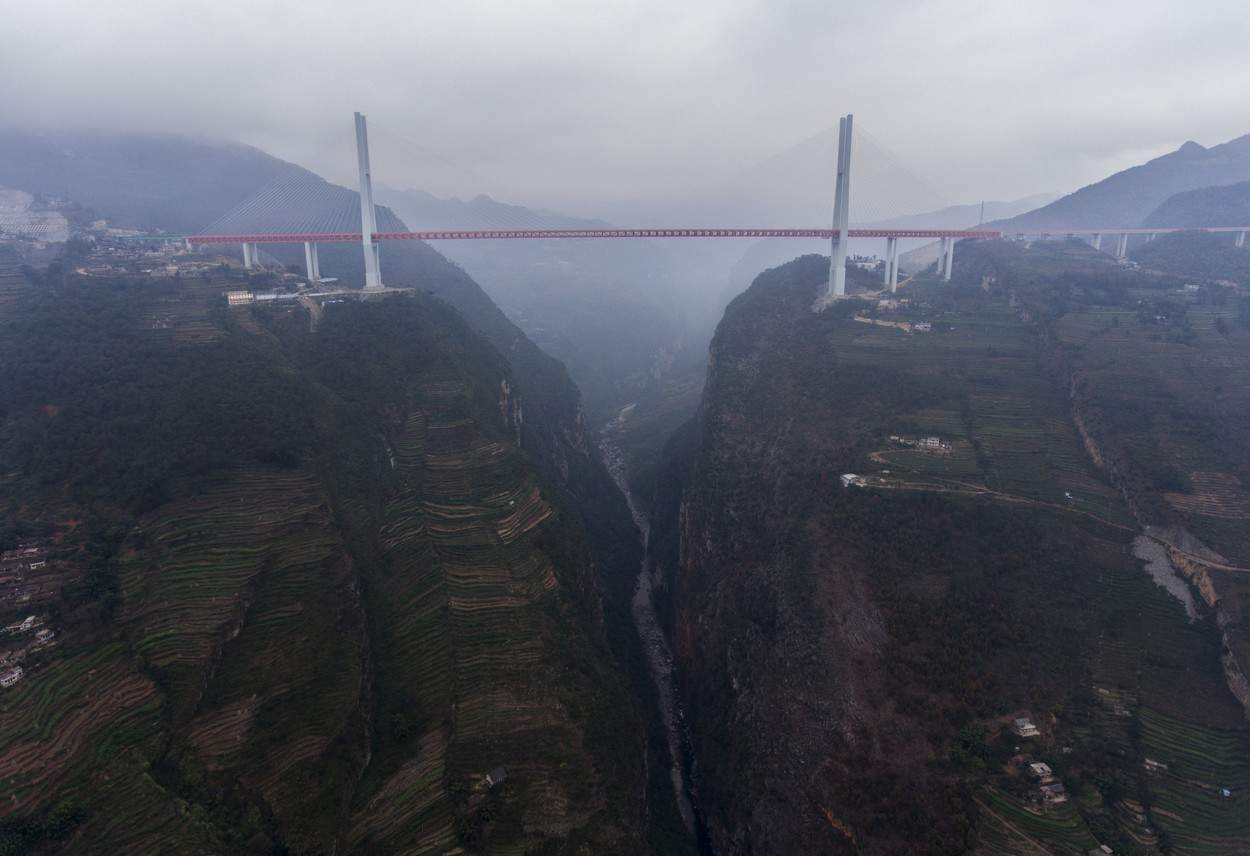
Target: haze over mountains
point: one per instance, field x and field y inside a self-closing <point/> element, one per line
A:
<point x="328" y="574"/>
<point x="1128" y="198"/>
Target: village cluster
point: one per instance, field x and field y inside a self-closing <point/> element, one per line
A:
<point x="931" y="445"/>
<point x="1049" y="789"/>
<point x="31" y="633"/>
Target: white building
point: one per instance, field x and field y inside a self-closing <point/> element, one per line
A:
<point x="12" y="676"/>
<point x="239" y="298"/>
<point x="1024" y="727"/>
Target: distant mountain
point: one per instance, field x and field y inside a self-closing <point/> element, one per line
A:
<point x="1224" y="205"/>
<point x="794" y="188"/>
<point x="147" y="181"/>
<point x="967" y="216"/>
<point x="619" y="314"/>
<point x="422" y="210"/>
<point x="1129" y="197"/>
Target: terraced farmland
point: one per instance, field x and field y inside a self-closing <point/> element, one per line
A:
<point x="1201" y="764"/>
<point x="468" y="606"/>
<point x="1006" y="416"/>
<point x="11" y="279"/>
<point x="322" y="618"/>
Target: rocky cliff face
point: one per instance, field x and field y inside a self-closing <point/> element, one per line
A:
<point x="779" y="634"/>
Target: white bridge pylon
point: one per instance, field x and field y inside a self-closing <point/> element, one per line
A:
<point x="841" y="211"/>
<point x="368" y="214"/>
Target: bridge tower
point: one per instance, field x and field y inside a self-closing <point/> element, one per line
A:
<point x="368" y="214"/>
<point x="841" y="211"/>
<point x="890" y="279"/>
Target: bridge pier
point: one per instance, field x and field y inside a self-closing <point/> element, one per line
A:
<point x="890" y="276"/>
<point x="948" y="259"/>
<point x="841" y="211"/>
<point x="311" y="264"/>
<point x="1150" y="237"/>
<point x="1121" y="247"/>
<point x="250" y="259"/>
<point x="1096" y="242"/>
<point x="1241" y="239"/>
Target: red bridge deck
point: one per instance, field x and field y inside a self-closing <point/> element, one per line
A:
<point x="511" y="234"/>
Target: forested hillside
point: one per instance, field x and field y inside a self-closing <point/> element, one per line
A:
<point x="311" y="592"/>
<point x="855" y="655"/>
<point x="1199" y="256"/>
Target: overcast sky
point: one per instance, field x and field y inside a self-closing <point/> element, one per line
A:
<point x="580" y="104"/>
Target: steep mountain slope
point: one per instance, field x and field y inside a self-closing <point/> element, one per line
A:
<point x="312" y="588"/>
<point x="143" y="181"/>
<point x="1130" y="196"/>
<point x="1223" y="205"/>
<point x="853" y="657"/>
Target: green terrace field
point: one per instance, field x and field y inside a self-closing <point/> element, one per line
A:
<point x="1005" y="416"/>
<point x="1160" y="385"/>
<point x="1187" y="798"/>
<point x="1173" y="394"/>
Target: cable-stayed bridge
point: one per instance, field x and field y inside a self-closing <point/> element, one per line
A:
<point x="311" y="211"/>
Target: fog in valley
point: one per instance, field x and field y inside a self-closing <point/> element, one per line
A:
<point x="734" y="428"/>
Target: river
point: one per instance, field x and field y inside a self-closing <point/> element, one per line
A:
<point x="655" y="643"/>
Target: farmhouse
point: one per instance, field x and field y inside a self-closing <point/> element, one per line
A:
<point x="496" y="777"/>
<point x="852" y="480"/>
<point x="12" y="676"/>
<point x="1054" y="793"/>
<point x="1024" y="727"/>
<point x="26" y="625"/>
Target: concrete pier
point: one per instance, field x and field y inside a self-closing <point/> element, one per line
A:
<point x="890" y="275"/>
<point x="1121" y="247"/>
<point x="1241" y="239"/>
<point x="311" y="265"/>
